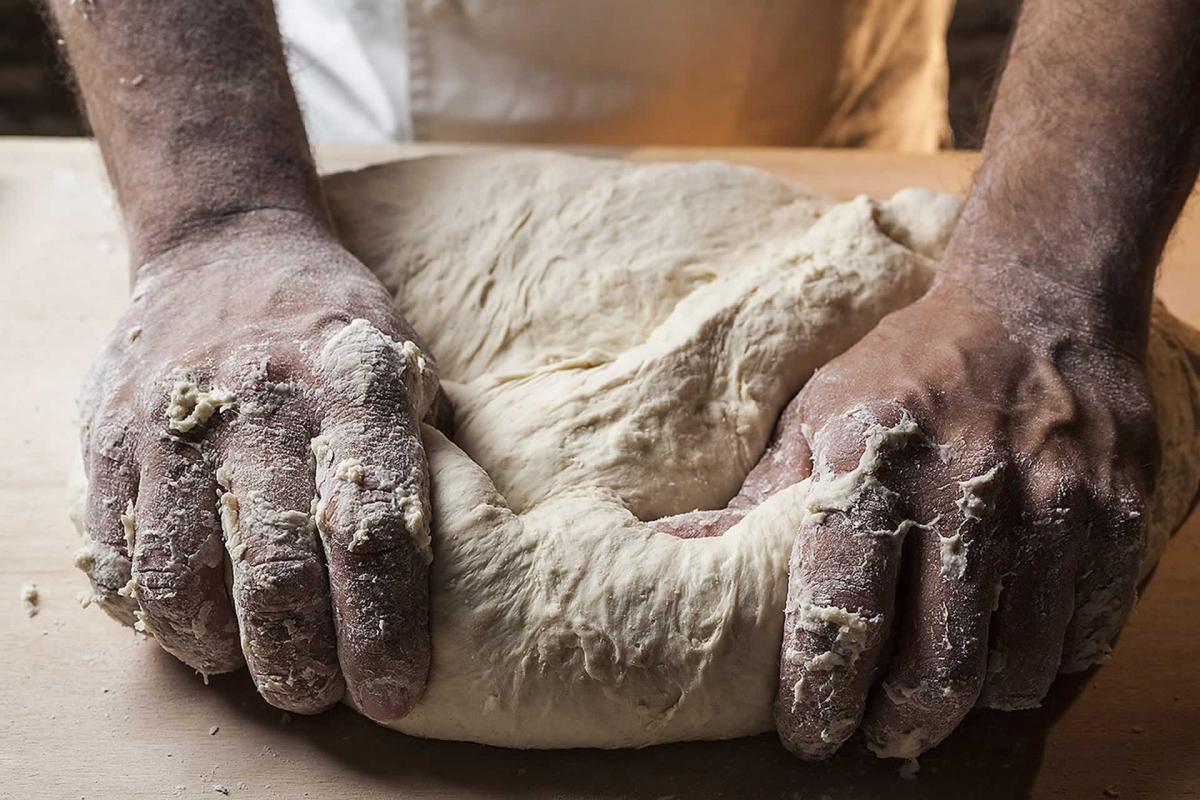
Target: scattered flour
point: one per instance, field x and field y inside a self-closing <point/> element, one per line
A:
<point x="29" y="598"/>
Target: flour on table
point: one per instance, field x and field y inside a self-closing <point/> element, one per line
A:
<point x="29" y="598"/>
<point x="618" y="341"/>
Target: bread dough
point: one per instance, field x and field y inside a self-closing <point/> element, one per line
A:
<point x="618" y="341"/>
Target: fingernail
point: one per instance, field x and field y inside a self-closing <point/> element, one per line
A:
<point x="386" y="699"/>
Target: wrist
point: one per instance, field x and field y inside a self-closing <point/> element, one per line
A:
<point x="1042" y="298"/>
<point x="234" y="237"/>
<point x="157" y="228"/>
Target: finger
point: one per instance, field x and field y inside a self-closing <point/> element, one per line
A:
<point x="374" y="517"/>
<point x="786" y="461"/>
<point x="179" y="561"/>
<point x="1037" y="597"/>
<point x="841" y="585"/>
<point x="112" y="477"/>
<point x="441" y="413"/>
<point x="373" y="513"/>
<point x="280" y="587"/>
<point x="699" y="524"/>
<point x="841" y="594"/>
<point x="1106" y="590"/>
<point x="939" y="654"/>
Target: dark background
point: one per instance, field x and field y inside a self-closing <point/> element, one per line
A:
<point x="35" y="99"/>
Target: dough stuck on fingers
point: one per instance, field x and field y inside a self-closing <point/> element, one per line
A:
<point x="618" y="343"/>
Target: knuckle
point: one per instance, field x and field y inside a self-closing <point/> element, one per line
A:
<point x="1054" y="498"/>
<point x="1130" y="518"/>
<point x="107" y="567"/>
<point x="281" y="586"/>
<point x="105" y="385"/>
<point x="366" y="366"/>
<point x="836" y="636"/>
<point x="107" y="442"/>
<point x="372" y="522"/>
<point x="947" y="679"/>
<point x="304" y="686"/>
<point x="188" y="613"/>
<point x="153" y="399"/>
<point x="1132" y="444"/>
<point x="855" y="582"/>
<point x="165" y="584"/>
<point x="265" y="384"/>
<point x="184" y="402"/>
<point x="862" y="431"/>
<point x="108" y="510"/>
<point x="980" y="486"/>
<point x="171" y="561"/>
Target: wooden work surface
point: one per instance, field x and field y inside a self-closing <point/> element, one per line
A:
<point x="88" y="710"/>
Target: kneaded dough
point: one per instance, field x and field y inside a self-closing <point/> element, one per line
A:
<point x="618" y="341"/>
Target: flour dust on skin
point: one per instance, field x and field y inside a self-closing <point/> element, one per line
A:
<point x="250" y="407"/>
<point x="822" y="674"/>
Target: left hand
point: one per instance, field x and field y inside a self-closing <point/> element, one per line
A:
<point x="327" y="557"/>
<point x="977" y="516"/>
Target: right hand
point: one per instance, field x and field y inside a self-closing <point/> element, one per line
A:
<point x="242" y="356"/>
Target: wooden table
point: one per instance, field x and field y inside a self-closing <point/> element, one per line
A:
<point x="88" y="710"/>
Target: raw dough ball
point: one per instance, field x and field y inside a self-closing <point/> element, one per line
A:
<point x="618" y="341"/>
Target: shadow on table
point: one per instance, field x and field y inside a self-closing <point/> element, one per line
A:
<point x="993" y="754"/>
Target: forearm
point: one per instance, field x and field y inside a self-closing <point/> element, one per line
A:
<point x="1090" y="155"/>
<point x="194" y="112"/>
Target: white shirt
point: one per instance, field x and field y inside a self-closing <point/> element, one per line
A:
<point x="682" y="72"/>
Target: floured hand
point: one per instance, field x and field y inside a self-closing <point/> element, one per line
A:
<point x="256" y="411"/>
<point x="976" y="522"/>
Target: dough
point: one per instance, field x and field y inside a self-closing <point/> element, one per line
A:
<point x="618" y="341"/>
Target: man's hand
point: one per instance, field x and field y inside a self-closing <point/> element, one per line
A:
<point x="259" y="399"/>
<point x="976" y="520"/>
<point x="981" y="461"/>
<point x="259" y="402"/>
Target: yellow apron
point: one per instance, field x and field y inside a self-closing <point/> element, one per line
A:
<point x="854" y="73"/>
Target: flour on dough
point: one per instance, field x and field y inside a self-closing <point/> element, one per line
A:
<point x="618" y="341"/>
